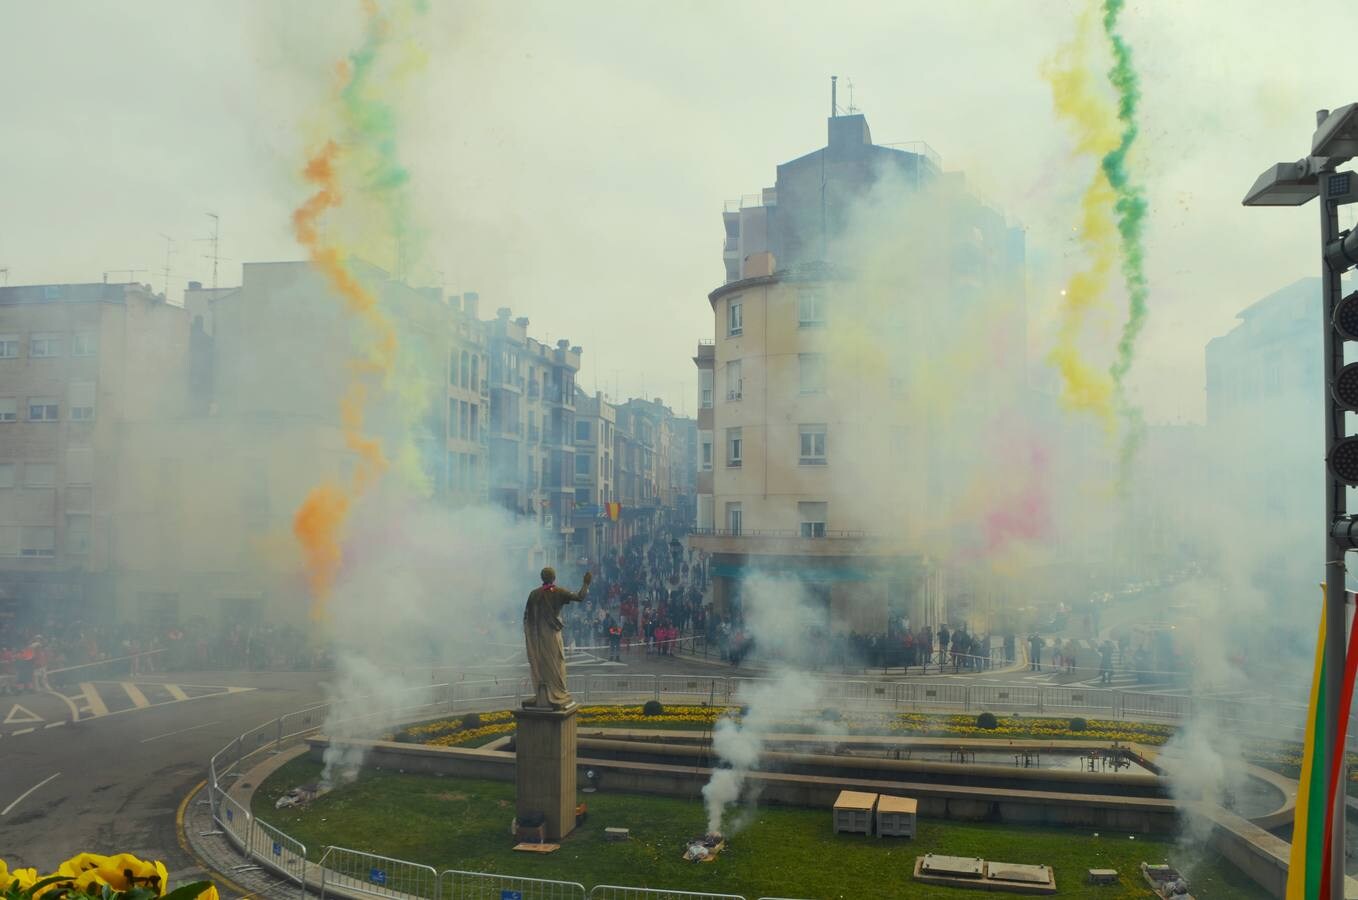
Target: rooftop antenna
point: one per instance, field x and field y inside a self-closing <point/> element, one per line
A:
<point x="852" y="109"/>
<point x="130" y="273"/>
<point x="834" y="90"/>
<point x="169" y="254"/>
<point x="215" y="239"/>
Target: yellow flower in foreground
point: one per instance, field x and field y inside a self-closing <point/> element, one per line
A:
<point x="209" y="894"/>
<point x="25" y="877"/>
<point x="125" y="871"/>
<point x="81" y="862"/>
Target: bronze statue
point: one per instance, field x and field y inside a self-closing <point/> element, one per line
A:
<point x="542" y="636"/>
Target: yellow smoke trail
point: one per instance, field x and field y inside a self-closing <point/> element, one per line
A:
<point x="1081" y="98"/>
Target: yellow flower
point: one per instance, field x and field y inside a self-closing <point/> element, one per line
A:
<point x="26" y="878"/>
<point x="81" y="863"/>
<point x="209" y="894"/>
<point x="124" y="871"/>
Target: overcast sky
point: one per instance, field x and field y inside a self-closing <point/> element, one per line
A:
<point x="570" y="160"/>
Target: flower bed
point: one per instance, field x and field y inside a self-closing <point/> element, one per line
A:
<point x="92" y="876"/>
<point x="455" y="731"/>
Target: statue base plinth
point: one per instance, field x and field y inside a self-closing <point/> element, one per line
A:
<point x="544" y="766"/>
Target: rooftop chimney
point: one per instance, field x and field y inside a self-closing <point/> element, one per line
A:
<point x="471" y="302"/>
<point x="195" y="285"/>
<point x="502" y="313"/>
<point x="563" y="344"/>
<point x="521" y="321"/>
<point x="834" y="85"/>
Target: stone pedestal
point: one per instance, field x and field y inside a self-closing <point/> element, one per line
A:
<point x="544" y="766"/>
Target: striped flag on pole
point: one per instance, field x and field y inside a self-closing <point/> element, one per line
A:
<point x="1306" y="877"/>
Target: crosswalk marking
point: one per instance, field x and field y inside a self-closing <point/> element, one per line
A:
<point x="176" y="691"/>
<point x="94" y="704"/>
<point x="135" y="695"/>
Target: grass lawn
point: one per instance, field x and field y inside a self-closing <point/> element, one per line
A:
<point x="782" y="852"/>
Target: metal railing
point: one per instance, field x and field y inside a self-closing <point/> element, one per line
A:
<point x="455" y="884"/>
<point x="233" y="819"/>
<point x="286" y="854"/>
<point x="367" y="874"/>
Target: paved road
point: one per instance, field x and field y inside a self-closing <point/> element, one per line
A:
<point x="103" y="766"/>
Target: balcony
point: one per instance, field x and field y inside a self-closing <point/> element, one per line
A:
<point x="776" y="542"/>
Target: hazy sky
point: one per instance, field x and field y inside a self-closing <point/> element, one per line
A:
<point x="570" y="160"/>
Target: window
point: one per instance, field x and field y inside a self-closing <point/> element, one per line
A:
<point x="79" y="465"/>
<point x="707" y="454"/>
<point x="37" y="541"/>
<point x="80" y="396"/>
<point x="43" y="409"/>
<point x="812" y="372"/>
<point x="582" y="465"/>
<point x="705" y="381"/>
<point x="475" y="363"/>
<point x="734" y="318"/>
<point x="810" y="308"/>
<point x="466" y="369"/>
<point x="475" y="431"/>
<point x="84" y="344"/>
<point x="733" y="518"/>
<point x="41" y="346"/>
<point x="38" y="474"/>
<point x="78" y="535"/>
<point x="812" y="445"/>
<point x="734" y="447"/>
<point x="9" y="346"/>
<point x="7" y="475"/>
<point x="735" y="383"/>
<point x="812" y="516"/>
<point x="581" y="431"/>
<point x="9" y="409"/>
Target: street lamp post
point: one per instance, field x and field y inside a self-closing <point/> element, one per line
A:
<point x="1293" y="184"/>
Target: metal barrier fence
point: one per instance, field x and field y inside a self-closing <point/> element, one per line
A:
<point x="356" y="872"/>
<point x="233" y="819"/>
<point x="283" y="852"/>
<point x="455" y="884"/>
<point x="617" y="892"/>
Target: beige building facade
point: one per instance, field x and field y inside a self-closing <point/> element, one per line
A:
<point x="78" y="362"/>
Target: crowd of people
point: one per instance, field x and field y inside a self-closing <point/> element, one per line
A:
<point x="647" y="595"/>
<point x="900" y="646"/>
<point x="33" y="653"/>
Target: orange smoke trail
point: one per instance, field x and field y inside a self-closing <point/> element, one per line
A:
<point x="319" y="521"/>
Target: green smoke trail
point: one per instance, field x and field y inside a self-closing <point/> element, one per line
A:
<point x="1131" y="209"/>
<point x="1131" y="204"/>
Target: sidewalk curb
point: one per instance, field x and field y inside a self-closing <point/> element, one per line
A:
<point x="186" y="844"/>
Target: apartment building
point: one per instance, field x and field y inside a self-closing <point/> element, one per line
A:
<point x="78" y="363"/>
<point x="801" y="463"/>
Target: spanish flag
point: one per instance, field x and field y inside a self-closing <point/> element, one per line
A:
<point x="614" y="509"/>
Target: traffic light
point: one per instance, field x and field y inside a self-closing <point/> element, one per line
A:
<point x="1342" y="458"/>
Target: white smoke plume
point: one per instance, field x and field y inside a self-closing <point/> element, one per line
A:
<point x="780" y="614"/>
<point x="427" y="596"/>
